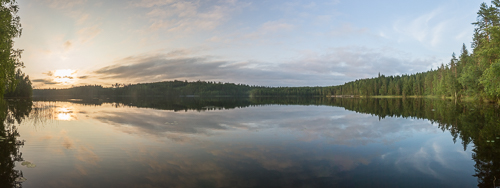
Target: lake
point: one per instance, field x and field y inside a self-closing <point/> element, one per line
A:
<point x="263" y="142"/>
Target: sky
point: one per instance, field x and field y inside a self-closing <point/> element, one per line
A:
<point x="269" y="42"/>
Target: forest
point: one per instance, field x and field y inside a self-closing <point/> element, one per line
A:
<point x="180" y="89"/>
<point x="158" y="89"/>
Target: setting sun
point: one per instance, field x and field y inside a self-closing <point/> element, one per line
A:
<point x="64" y="76"/>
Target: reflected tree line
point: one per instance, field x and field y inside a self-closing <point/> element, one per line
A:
<point x="161" y="103"/>
<point x="12" y="113"/>
<point x="472" y="123"/>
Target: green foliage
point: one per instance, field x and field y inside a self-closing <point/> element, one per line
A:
<point x="491" y="80"/>
<point x="23" y="86"/>
<point x="10" y="28"/>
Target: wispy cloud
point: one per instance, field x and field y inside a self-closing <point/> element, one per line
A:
<point x="358" y="62"/>
<point x="347" y="29"/>
<point x="88" y="33"/>
<point x="426" y="28"/>
<point x="152" y="3"/>
<point x="64" y="4"/>
<point x="271" y="27"/>
<point x="174" y="15"/>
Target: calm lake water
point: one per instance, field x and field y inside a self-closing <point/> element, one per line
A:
<point x="249" y="143"/>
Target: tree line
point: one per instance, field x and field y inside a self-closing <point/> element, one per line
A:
<point x="158" y="89"/>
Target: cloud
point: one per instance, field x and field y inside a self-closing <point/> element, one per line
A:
<point x="335" y="67"/>
<point x="64" y="4"/>
<point x="427" y="28"/>
<point x="49" y="73"/>
<point x="358" y="62"/>
<point x="59" y="77"/>
<point x="152" y="3"/>
<point x="430" y="155"/>
<point x="323" y="18"/>
<point x="87" y="155"/>
<point x="158" y="123"/>
<point x="348" y="30"/>
<point x="462" y="35"/>
<point x="174" y="15"/>
<point x="67" y="45"/>
<point x="67" y="143"/>
<point x="333" y="2"/>
<point x="46" y="81"/>
<point x="69" y="77"/>
<point x="88" y="33"/>
<point x="296" y="7"/>
<point x="276" y="26"/>
<point x="271" y="27"/>
<point x="151" y="68"/>
<point x="178" y="53"/>
<point x="82" y="19"/>
<point x="310" y="5"/>
<point x="345" y="128"/>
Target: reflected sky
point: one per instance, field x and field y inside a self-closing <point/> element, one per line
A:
<point x="270" y="146"/>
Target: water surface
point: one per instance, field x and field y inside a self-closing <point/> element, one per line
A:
<point x="249" y="143"/>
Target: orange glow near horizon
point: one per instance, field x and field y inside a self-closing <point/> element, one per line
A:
<point x="64" y="76"/>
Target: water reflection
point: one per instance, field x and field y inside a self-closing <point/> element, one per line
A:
<point x="65" y="113"/>
<point x="262" y="143"/>
<point x="12" y="113"/>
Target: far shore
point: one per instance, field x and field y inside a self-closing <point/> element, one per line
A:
<point x="462" y="99"/>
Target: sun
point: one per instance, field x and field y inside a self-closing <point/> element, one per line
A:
<point x="64" y="76"/>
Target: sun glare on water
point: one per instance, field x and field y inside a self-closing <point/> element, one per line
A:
<point x="65" y="114"/>
<point x="64" y="76"/>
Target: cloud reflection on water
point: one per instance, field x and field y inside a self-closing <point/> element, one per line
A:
<point x="309" y="123"/>
<point x="283" y="146"/>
